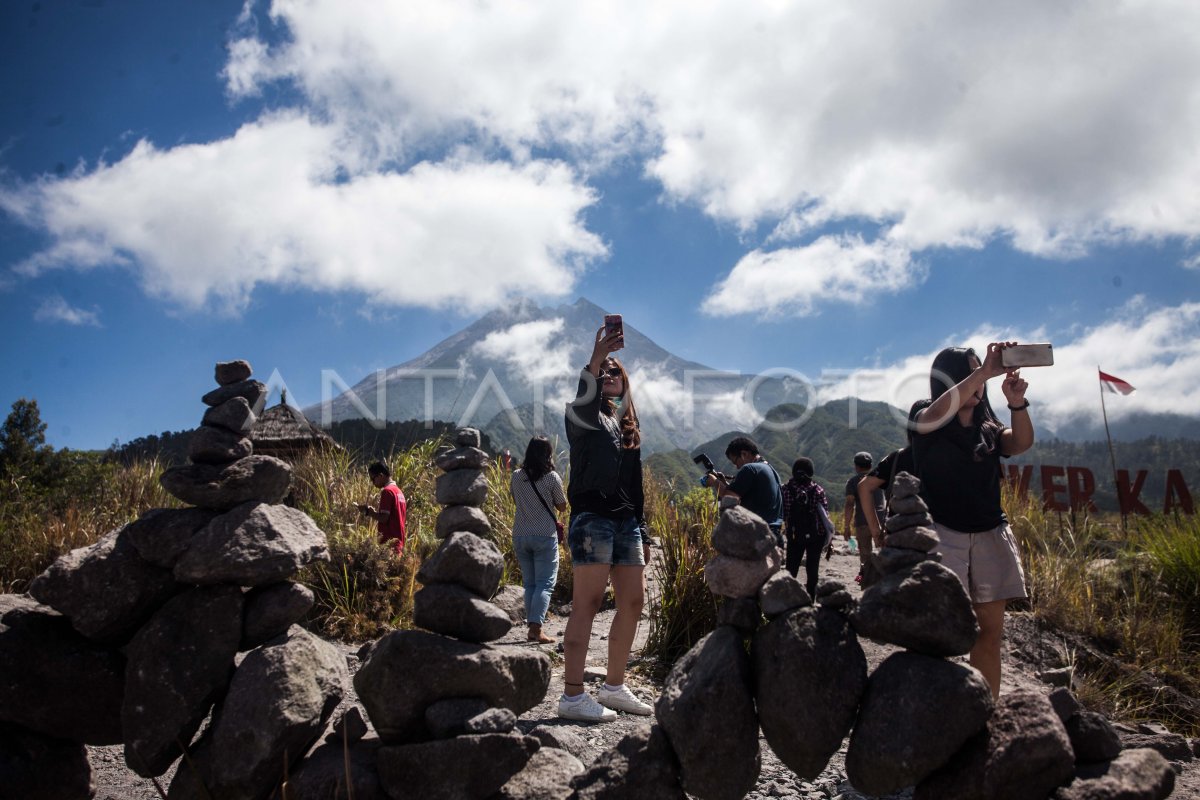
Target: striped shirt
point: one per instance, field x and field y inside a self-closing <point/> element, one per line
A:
<point x="531" y="518"/>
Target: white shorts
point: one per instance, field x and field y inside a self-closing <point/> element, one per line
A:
<point x="987" y="563"/>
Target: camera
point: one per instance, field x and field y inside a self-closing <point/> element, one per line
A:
<point x="706" y="462"/>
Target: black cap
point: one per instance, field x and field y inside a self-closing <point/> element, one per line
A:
<point x="862" y="459"/>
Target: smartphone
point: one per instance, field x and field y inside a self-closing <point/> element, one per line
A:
<point x="613" y="324"/>
<point x="1028" y="355"/>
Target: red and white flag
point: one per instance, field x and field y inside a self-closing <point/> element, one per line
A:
<point x="1111" y="383"/>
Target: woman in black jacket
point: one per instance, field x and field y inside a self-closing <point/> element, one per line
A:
<point x="606" y="537"/>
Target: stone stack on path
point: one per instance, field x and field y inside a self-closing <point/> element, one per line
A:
<point x="443" y="701"/>
<point x="136" y="638"/>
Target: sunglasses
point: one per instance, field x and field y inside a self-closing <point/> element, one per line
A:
<point x="614" y="372"/>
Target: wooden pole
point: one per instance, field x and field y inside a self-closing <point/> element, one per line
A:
<point x="1111" y="456"/>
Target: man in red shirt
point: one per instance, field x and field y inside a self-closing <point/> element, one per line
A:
<point x="392" y="511"/>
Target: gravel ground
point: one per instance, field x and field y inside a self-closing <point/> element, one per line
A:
<point x="115" y="782"/>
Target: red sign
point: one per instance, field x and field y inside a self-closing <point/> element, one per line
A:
<point x="1072" y="488"/>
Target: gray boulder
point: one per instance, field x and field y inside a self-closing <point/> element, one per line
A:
<point x="1064" y="703"/>
<point x="781" y="593"/>
<point x="468" y="437"/>
<point x="351" y="726"/>
<point x="107" y="589"/>
<point x="916" y="538"/>
<point x="1138" y="774"/>
<point x="891" y="560"/>
<point x="904" y="485"/>
<point x="212" y="445"/>
<point x="179" y="665"/>
<point x="228" y="372"/>
<point x="462" y="458"/>
<point x="272" y="609"/>
<point x="322" y="774"/>
<point x="740" y="533"/>
<point x="708" y="697"/>
<point x="1093" y="737"/>
<point x="904" y="732"/>
<point x="803" y="720"/>
<point x="253" y="392"/>
<point x="38" y="767"/>
<point x="461" y="518"/>
<point x="463" y="487"/>
<point x="253" y="545"/>
<point x="739" y="577"/>
<point x="53" y="680"/>
<point x="233" y="415"/>
<point x="564" y="736"/>
<point x="739" y="612"/>
<point x="899" y="522"/>
<point x="1170" y="745"/>
<point x="162" y="535"/>
<point x="511" y="677"/>
<point x="924" y="609"/>
<point x="546" y="776"/>
<point x="907" y="505"/>
<point x="454" y="611"/>
<point x="261" y="479"/>
<point x="466" y="560"/>
<point x="511" y="600"/>
<point x="482" y="765"/>
<point x="278" y="702"/>
<point x="449" y="717"/>
<point x="839" y="599"/>
<point x="642" y="765"/>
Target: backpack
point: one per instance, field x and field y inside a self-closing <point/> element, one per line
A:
<point x="806" y="507"/>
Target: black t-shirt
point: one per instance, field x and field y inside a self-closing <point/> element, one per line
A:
<point x="962" y="493"/>
<point x="860" y="518"/>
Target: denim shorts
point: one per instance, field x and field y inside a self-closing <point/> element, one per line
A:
<point x="595" y="539"/>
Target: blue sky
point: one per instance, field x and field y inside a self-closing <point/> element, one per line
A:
<point x="340" y="185"/>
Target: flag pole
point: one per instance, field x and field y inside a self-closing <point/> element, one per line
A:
<point x="1111" y="456"/>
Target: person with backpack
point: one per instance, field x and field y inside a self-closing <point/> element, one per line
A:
<point x="535" y="487"/>
<point x="804" y="505"/>
<point x="880" y="478"/>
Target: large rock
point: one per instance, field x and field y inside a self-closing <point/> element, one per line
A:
<point x="904" y="731"/>
<point x="466" y="560"/>
<point x="642" y="765"/>
<point x="781" y="593"/>
<point x="162" y="535"/>
<point x="546" y="776"/>
<point x="253" y="392"/>
<point x="272" y="609"/>
<point x="899" y="522"/>
<point x="454" y="611"/>
<point x="213" y="445"/>
<point x="252" y="545"/>
<point x="257" y="478"/>
<point x="924" y="609"/>
<point x="890" y="560"/>
<point x="564" y="735"/>
<point x="233" y="415"/>
<point x="916" y="538"/>
<point x="461" y="518"/>
<point x="38" y="767"/>
<point x="228" y="372"/>
<point x="278" y="702"/>
<point x="459" y="716"/>
<point x="322" y="774"/>
<point x="107" y="589"/>
<point x="738" y="577"/>
<point x="462" y="458"/>
<point x="452" y="769"/>
<point x="513" y="677"/>
<point x="708" y="698"/>
<point x="468" y="437"/>
<point x="740" y="612"/>
<point x="1170" y="745"/>
<point x="810" y="672"/>
<point x="1093" y="737"/>
<point x="741" y="533"/>
<point x="511" y="600"/>
<point x="1138" y="774"/>
<point x="53" y="680"/>
<point x="463" y="487"/>
<point x="179" y="665"/>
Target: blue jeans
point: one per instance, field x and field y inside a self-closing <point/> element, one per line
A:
<point x="538" y="557"/>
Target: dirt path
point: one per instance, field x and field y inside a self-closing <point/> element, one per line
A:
<point x="1021" y="665"/>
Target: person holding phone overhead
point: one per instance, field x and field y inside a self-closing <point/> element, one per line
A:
<point x="607" y="534"/>
<point x="957" y="445"/>
<point x="536" y="491"/>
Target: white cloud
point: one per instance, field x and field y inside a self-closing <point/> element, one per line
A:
<point x="793" y="281"/>
<point x="56" y="309"/>
<point x="275" y="204"/>
<point x="534" y="351"/>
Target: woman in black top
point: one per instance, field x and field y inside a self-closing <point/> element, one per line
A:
<point x="957" y="447"/>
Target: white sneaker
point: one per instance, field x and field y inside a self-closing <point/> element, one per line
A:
<point x="622" y="699"/>
<point x="585" y="709"/>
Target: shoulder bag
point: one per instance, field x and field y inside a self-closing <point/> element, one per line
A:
<point x="559" y="529"/>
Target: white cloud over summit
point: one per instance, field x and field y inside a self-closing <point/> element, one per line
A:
<point x="1051" y="127"/>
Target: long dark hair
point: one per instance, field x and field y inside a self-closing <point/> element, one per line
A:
<point x="539" y="459"/>
<point x="631" y="427"/>
<point x="951" y="367"/>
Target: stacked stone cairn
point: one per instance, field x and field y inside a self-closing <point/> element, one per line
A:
<point x="443" y="701"/>
<point x="917" y="720"/>
<point x="137" y="638"/>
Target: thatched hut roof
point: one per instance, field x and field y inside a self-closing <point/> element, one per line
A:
<point x="283" y="431"/>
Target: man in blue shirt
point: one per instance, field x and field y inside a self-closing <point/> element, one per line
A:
<point x="756" y="485"/>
